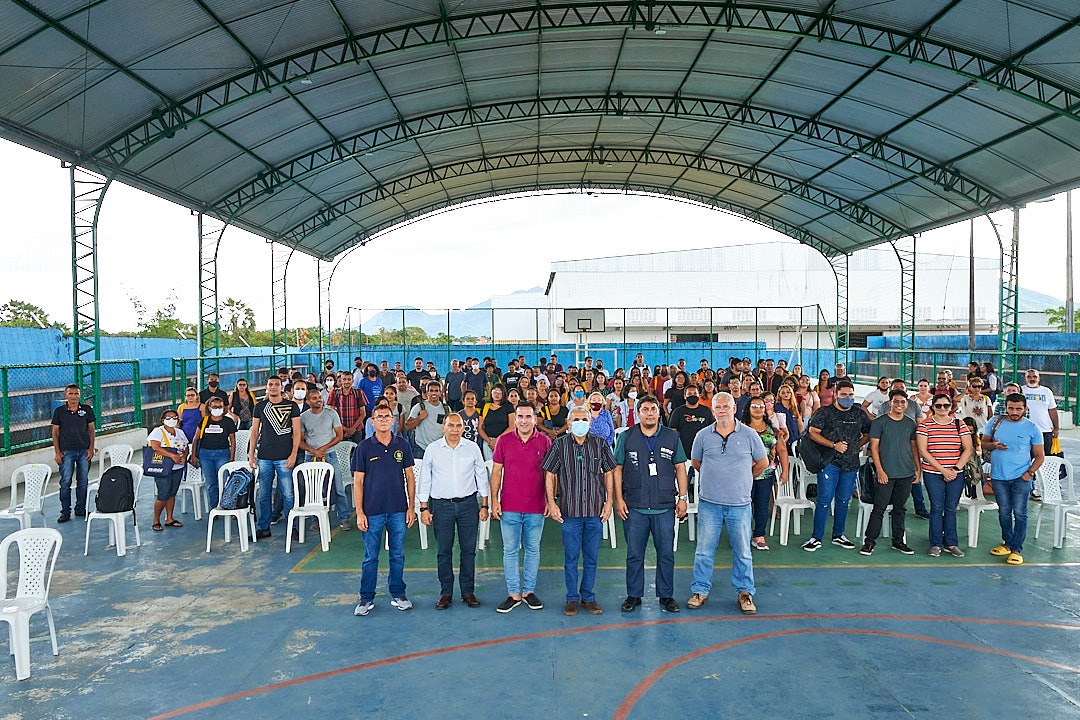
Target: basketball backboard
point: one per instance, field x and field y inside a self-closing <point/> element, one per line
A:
<point x="581" y="320"/>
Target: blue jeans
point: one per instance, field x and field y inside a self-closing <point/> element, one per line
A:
<point x="761" y="500"/>
<point x="394" y="524"/>
<point x="268" y="469"/>
<point x="711" y="519"/>
<point x="515" y="528"/>
<point x="75" y="463"/>
<point x="211" y="461"/>
<point x="341" y="501"/>
<point x="464" y="519"/>
<point x="944" y="497"/>
<point x="1012" y="499"/>
<point x="833" y="482"/>
<point x="636" y="528"/>
<point x="581" y="539"/>
<point x="918" y="500"/>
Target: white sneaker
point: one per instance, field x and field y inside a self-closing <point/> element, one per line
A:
<point x="401" y="603"/>
<point x="363" y="608"/>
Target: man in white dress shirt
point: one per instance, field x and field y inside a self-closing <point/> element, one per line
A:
<point x="452" y="478"/>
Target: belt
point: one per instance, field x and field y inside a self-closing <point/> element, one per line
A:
<point x="456" y="500"/>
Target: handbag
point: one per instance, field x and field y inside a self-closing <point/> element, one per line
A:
<point x="814" y="456"/>
<point x="155" y="464"/>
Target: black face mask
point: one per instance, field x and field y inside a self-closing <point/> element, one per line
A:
<point x="372" y="373"/>
<point x="212" y="385"/>
<point x="691" y="399"/>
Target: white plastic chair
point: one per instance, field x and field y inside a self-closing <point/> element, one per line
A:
<point x="118" y="520"/>
<point x="38" y="550"/>
<point x="791" y="501"/>
<point x="242" y="439"/>
<point x="318" y="479"/>
<point x="1056" y="495"/>
<point x="484" y="533"/>
<point x="976" y="506"/>
<point x="343" y="453"/>
<point x="35" y="478"/>
<point x="107" y="457"/>
<point x="863" y="519"/>
<point x="195" y="485"/>
<point x="691" y="511"/>
<point x="422" y="528"/>
<point x="243" y="516"/>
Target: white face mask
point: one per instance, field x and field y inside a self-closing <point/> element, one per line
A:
<point x="217" y="412"/>
<point x="299" y="394"/>
<point x="632" y="394"/>
<point x="171" y="422"/>
<point x="475" y="366"/>
<point x="329" y="382"/>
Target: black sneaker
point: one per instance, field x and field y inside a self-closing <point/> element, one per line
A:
<point x="630" y="604"/>
<point x="275" y="519"/>
<point x="923" y="514"/>
<point x="532" y="602"/>
<point x="867" y="548"/>
<point x="507" y="605"/>
<point x="902" y="547"/>
<point x="64" y="517"/>
<point x="80" y="513"/>
<point x="669" y="605"/>
<point x="811" y="545"/>
<point x="262" y="534"/>
<point x="842" y="541"/>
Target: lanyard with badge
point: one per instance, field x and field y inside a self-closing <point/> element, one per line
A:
<point x="650" y="442"/>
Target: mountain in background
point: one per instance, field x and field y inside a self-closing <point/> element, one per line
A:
<point x="1031" y="301"/>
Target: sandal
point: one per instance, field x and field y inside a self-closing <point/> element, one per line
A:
<point x="174" y="523"/>
<point x="156" y="527"/>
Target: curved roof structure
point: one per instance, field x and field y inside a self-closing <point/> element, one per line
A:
<point x="319" y="123"/>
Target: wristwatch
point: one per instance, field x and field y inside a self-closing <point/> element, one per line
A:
<point x="684" y="498"/>
<point x="425" y="509"/>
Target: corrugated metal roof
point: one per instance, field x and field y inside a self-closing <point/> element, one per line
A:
<point x="319" y="123"/>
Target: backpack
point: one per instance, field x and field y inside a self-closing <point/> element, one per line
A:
<point x="867" y="479"/>
<point x="814" y="456"/>
<point x="236" y="492"/>
<point x="116" y="491"/>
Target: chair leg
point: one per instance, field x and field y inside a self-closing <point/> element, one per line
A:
<point x="251" y="517"/>
<point x="324" y="532"/>
<point x="423" y="535"/>
<point x="20" y="645"/>
<point x="117" y="522"/>
<point x="973" y="526"/>
<point x="210" y="531"/>
<point x="784" y="522"/>
<point x="86" y="547"/>
<point x="52" y="629"/>
<point x="288" y="533"/>
<point x="1038" y="520"/>
<point x="675" y="543"/>
<point x="691" y="526"/>
<point x="611" y="532"/>
<point x="240" y="530"/>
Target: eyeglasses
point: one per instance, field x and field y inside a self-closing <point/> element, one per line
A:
<point x="377" y="418"/>
<point x="757" y="407"/>
<point x="976" y="385"/>
<point x="943" y="405"/>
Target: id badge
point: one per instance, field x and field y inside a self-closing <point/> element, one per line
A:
<point x="652" y="469"/>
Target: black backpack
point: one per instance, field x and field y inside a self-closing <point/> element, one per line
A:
<point x="237" y="490"/>
<point x="116" y="491"/>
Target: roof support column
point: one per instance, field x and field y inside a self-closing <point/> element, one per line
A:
<point x="905" y="254"/>
<point x="87" y="193"/>
<point x="841" y="337"/>
<point x="1008" y="307"/>
<point x="280" y="255"/>
<point x="324" y="272"/>
<point x="210" y="230"/>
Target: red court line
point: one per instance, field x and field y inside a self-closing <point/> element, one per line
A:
<point x="214" y="702"/>
<point x="639" y="690"/>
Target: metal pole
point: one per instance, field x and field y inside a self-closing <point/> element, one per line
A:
<point x="1070" y="313"/>
<point x="404" y="343"/>
<point x="5" y="410"/>
<point x="136" y="417"/>
<point x="971" y="285"/>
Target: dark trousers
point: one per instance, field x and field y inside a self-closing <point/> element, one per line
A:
<point x="464" y="517"/>
<point x="895" y="493"/>
<point x="457" y="405"/>
<point x="761" y="498"/>
<point x="637" y="527"/>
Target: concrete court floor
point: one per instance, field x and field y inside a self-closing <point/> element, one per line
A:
<point x="169" y="631"/>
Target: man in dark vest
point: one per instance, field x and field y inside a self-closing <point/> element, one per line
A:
<point x="650" y="465"/>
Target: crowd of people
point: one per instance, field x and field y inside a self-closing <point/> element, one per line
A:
<point x="576" y="444"/>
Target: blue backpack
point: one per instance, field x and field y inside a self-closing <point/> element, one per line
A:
<point x="236" y="492"/>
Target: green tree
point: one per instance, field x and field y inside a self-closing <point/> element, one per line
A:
<point x="239" y="318"/>
<point x="162" y="322"/>
<point x="18" y="313"/>
<point x="1056" y="317"/>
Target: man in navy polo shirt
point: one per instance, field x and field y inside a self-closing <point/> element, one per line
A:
<point x="384" y="490"/>
<point x="73" y="444"/>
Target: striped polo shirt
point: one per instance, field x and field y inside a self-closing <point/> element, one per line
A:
<point x="580" y="469"/>
<point x="942" y="441"/>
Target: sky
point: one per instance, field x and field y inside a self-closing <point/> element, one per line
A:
<point x="148" y="250"/>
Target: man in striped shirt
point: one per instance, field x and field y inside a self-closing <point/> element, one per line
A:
<point x="579" y="470"/>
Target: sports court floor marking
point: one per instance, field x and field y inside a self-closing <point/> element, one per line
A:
<point x="653" y="677"/>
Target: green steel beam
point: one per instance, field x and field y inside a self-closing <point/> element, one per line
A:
<point x="280" y="256"/>
<point x="879" y="149"/>
<point x="905" y="255"/>
<point x="854" y="213"/>
<point x="910" y="45"/>
<point x="210" y="231"/>
<point x="87" y="193"/>
<point x="1009" y="309"/>
<point x="839" y="265"/>
<point x="324" y="273"/>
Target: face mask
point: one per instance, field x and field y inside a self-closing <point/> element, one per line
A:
<point x="432" y="373"/>
<point x="595" y="406"/>
<point x="171" y="422"/>
<point x="372" y="372"/>
<point x="475" y="367"/>
<point x="578" y="394"/>
<point x="329" y="382"/>
<point x="212" y="385"/>
<point x="632" y="394"/>
<point x="299" y="394"/>
<point x="846" y="402"/>
<point x="217" y="412"/>
<point x="691" y="399"/>
<point x="769" y="407"/>
<point x="580" y="428"/>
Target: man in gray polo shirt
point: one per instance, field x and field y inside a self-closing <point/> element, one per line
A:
<point x="426" y="418"/>
<point x="727" y="456"/>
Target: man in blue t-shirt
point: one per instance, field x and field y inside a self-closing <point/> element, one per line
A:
<point x="1017" y="446"/>
<point x="384" y="490"/>
<point x="372" y="386"/>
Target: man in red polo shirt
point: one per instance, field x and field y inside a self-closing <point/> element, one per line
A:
<point x="517" y="470"/>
